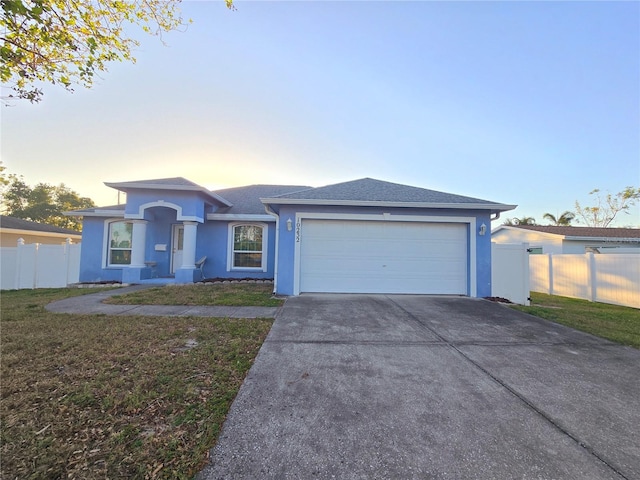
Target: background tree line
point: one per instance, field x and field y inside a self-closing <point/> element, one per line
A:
<point x="43" y="202"/>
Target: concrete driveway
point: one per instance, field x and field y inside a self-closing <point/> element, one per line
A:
<point x="401" y="387"/>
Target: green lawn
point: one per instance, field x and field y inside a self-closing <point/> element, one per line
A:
<point x="619" y="324"/>
<point x="101" y="396"/>
<point x="229" y="294"/>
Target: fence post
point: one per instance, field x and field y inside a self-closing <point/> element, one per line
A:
<point x="526" y="268"/>
<point x="36" y="275"/>
<point x="67" y="257"/>
<point x="550" y="258"/>
<point x="19" y="253"/>
<point x="591" y="272"/>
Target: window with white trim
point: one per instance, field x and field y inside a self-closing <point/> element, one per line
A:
<point x="247" y="247"/>
<point x="119" y="243"/>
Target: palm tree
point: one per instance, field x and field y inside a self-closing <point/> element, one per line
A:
<point x="563" y="220"/>
<point x="520" y="221"/>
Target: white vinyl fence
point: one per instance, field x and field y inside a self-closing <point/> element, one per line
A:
<point x="611" y="278"/>
<point x="39" y="266"/>
<point x="510" y="272"/>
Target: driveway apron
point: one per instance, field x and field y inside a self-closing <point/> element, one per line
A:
<point x="402" y="386"/>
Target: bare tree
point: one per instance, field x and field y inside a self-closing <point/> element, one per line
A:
<point x="606" y="209"/>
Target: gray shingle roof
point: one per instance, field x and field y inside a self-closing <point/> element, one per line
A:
<point x="246" y="200"/>
<point x="371" y="190"/>
<point x="250" y="200"/>
<point x="12" y="223"/>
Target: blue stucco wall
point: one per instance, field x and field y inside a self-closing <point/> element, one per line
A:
<point x="91" y="255"/>
<point x="483" y="255"/>
<point x="190" y="202"/>
<point x="169" y="208"/>
<point x="286" y="251"/>
<point x="211" y="240"/>
<point x="286" y="256"/>
<point x="159" y="231"/>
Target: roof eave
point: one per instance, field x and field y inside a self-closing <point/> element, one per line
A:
<point x="188" y="188"/>
<point x="246" y="217"/>
<point x="562" y="236"/>
<point x="40" y="233"/>
<point x="603" y="239"/>
<point x="98" y="213"/>
<point x="494" y="207"/>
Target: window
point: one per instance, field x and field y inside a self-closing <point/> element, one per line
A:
<point x="120" y="234"/>
<point x="247" y="247"/>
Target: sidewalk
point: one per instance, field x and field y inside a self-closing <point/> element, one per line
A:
<point x="92" y="304"/>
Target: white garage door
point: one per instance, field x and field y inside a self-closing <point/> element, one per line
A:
<point x="383" y="257"/>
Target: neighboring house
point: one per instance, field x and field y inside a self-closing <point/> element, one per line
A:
<point x="11" y="229"/>
<point x="552" y="239"/>
<point x="363" y="236"/>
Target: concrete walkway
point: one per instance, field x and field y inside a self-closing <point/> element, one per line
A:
<point x="92" y="304"/>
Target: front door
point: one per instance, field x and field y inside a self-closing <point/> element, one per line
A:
<point x="177" y="241"/>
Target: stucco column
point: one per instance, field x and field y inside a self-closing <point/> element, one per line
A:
<point x="138" y="242"/>
<point x="189" y="245"/>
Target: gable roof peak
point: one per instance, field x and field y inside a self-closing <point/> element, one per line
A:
<point x="155" y="183"/>
<point x="172" y="183"/>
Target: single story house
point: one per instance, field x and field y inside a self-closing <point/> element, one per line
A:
<point x="361" y="236"/>
<point x="11" y="229"/>
<point x="557" y="239"/>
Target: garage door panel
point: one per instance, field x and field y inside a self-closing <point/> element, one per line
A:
<point x="383" y="257"/>
<point x="400" y="284"/>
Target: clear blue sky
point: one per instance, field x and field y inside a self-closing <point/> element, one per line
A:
<point x="528" y="103"/>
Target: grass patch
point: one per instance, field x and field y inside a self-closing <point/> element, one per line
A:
<point x="25" y="299"/>
<point x="113" y="396"/>
<point x="613" y="322"/>
<point x="226" y="294"/>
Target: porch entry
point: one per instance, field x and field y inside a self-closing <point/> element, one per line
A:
<point x="177" y="245"/>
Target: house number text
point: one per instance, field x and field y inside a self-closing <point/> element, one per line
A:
<point x="298" y="231"/>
